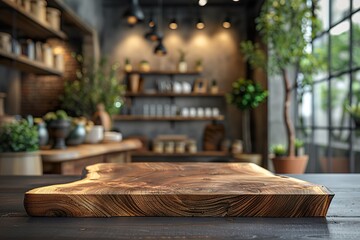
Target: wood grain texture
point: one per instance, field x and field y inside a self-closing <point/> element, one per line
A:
<point x="180" y="189"/>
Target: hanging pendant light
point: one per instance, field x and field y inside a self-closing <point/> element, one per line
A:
<point x="160" y="49"/>
<point x="200" y="24"/>
<point x="226" y="23"/>
<point x="152" y="35"/>
<point x="173" y="24"/>
<point x="151" y="22"/>
<point x="134" y="14"/>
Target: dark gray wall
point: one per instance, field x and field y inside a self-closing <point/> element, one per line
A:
<point x="218" y="47"/>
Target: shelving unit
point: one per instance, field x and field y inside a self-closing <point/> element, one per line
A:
<point x="26" y="23"/>
<point x="170" y="94"/>
<point x="26" y="65"/>
<point x="197" y="154"/>
<point x="170" y="118"/>
<point x="159" y="72"/>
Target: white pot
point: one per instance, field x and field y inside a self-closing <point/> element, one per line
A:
<point x="22" y="163"/>
<point x="182" y="67"/>
<point x="95" y="135"/>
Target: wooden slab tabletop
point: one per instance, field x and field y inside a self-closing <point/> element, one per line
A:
<point x="89" y="150"/>
<point x="180" y="189"/>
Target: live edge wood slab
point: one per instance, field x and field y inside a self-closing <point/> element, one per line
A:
<point x="180" y="189"/>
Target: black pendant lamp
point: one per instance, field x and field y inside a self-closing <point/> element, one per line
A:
<point x="134" y="14"/>
<point x="152" y="35"/>
<point x="160" y="49"/>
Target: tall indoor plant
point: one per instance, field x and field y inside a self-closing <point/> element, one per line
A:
<point x="287" y="29"/>
<point x="246" y="95"/>
<point x="99" y="83"/>
<point x="19" y="142"/>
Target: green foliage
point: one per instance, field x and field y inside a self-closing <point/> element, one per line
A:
<point x="182" y="55"/>
<point x="299" y="143"/>
<point x="98" y="85"/>
<point x="287" y="29"/>
<point x="19" y="136"/>
<point x="278" y="150"/>
<point x="246" y="94"/>
<point x="354" y="110"/>
<point x="58" y="115"/>
<point x="199" y="62"/>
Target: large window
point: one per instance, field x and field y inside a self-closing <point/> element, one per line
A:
<point x="333" y="141"/>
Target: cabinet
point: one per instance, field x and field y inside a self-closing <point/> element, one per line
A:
<point x="135" y="123"/>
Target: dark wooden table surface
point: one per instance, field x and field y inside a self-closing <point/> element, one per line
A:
<point x="342" y="222"/>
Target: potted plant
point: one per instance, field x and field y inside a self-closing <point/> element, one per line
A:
<point x="286" y="28"/>
<point x="246" y="95"/>
<point x="98" y="84"/>
<point x="19" y="142"/>
<point x="128" y="66"/>
<point x="199" y="65"/>
<point x="182" y="67"/>
<point x="145" y="66"/>
<point x="59" y="127"/>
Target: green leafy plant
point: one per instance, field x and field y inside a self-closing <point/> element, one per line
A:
<point x="58" y="115"/>
<point x="246" y="95"/>
<point x="100" y="84"/>
<point x="279" y="150"/>
<point x="299" y="143"/>
<point x="19" y="136"/>
<point x="182" y="55"/>
<point x="287" y="29"/>
<point x="199" y="62"/>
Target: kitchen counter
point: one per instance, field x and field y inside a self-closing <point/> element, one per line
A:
<point x="72" y="160"/>
<point x="342" y="221"/>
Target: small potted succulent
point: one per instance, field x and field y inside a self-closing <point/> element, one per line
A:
<point x="145" y="66"/>
<point x="59" y="127"/>
<point x="128" y="66"/>
<point x="199" y="65"/>
<point x="19" y="144"/>
<point x="294" y="167"/>
<point x="182" y="67"/>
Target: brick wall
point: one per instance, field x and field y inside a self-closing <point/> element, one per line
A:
<point x="40" y="94"/>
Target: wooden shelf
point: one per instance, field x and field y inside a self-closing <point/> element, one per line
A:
<point x="197" y="154"/>
<point x="143" y="94"/>
<point x="25" y="22"/>
<point x="70" y="20"/>
<point x="158" y="72"/>
<point x="171" y="118"/>
<point x="24" y="64"/>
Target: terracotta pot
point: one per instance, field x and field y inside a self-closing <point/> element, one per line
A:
<point x="290" y="165"/>
<point x="20" y="163"/>
<point x="339" y="165"/>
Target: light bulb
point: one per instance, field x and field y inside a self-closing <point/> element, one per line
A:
<point x="202" y="3"/>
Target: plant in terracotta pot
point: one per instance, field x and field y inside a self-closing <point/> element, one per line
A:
<point x="246" y="95"/>
<point x="287" y="29"/>
<point x="19" y="142"/>
<point x="145" y="66"/>
<point x="59" y="125"/>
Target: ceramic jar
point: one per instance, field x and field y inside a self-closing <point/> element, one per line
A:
<point x="5" y="42"/>
<point x="59" y="62"/>
<point x="48" y="55"/>
<point x="38" y="9"/>
<point x="28" y="49"/>
<point x="77" y="135"/>
<point x="158" y="147"/>
<point x="43" y="134"/>
<point x="237" y="147"/>
<point x="191" y="146"/>
<point x="182" y="67"/>
<point x="53" y="18"/>
<point x="95" y="135"/>
<point x="180" y="147"/>
<point x="169" y="147"/>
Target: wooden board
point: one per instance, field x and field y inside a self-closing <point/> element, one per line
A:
<point x="180" y="189"/>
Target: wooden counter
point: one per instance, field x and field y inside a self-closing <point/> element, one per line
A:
<point x="73" y="160"/>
